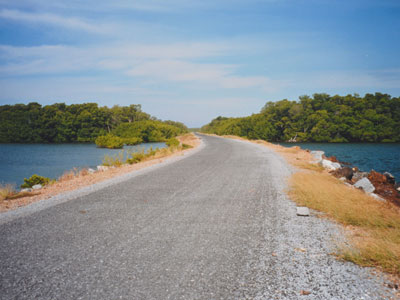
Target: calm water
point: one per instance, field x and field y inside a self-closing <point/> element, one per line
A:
<point x="19" y="161"/>
<point x="380" y="157"/>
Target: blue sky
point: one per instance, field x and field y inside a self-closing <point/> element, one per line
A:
<point x="192" y="61"/>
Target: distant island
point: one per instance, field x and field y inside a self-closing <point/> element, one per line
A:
<point x="321" y="118"/>
<point x="61" y="123"/>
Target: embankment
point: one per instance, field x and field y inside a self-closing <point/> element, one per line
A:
<point x="71" y="181"/>
<point x="372" y="225"/>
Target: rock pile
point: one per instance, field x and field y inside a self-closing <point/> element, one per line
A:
<point x="373" y="183"/>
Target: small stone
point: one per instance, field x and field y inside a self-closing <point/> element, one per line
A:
<point x="102" y="168"/>
<point x="37" y="187"/>
<point x="390" y="178"/>
<point x="300" y="250"/>
<point x="91" y="171"/>
<point x="345" y="172"/>
<point x="317" y="155"/>
<point x="359" y="175"/>
<point x="327" y="164"/>
<point x="342" y="178"/>
<point x="302" y="211"/>
<point x="365" y="185"/>
<point x="26" y="190"/>
<point x="377" y="197"/>
<point x="304" y="293"/>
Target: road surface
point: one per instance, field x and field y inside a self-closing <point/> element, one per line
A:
<point x="214" y="225"/>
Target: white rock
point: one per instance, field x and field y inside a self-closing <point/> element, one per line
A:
<point x="365" y="184"/>
<point x="302" y="211"/>
<point x="37" y="187"/>
<point x="25" y="190"/>
<point x="327" y="164"/>
<point x="102" y="168"/>
<point x="317" y="155"/>
<point x="342" y="178"/>
<point x="91" y="171"/>
<point x="377" y="197"/>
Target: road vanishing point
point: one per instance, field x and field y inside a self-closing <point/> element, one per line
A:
<point x="215" y="224"/>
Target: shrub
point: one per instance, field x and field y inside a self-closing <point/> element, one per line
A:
<point x="132" y="141"/>
<point x="172" y="142"/>
<point x="35" y="179"/>
<point x="109" y="141"/>
<point x="186" y="146"/>
<point x="68" y="175"/>
<point x="6" y="191"/>
<point x="114" y="161"/>
<point x="136" y="157"/>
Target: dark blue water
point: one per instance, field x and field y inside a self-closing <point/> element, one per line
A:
<point x="380" y="157"/>
<point x="19" y="161"/>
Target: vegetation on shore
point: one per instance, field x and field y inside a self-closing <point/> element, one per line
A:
<point x="80" y="177"/>
<point x="61" y="123"/>
<point x="135" y="157"/>
<point x="321" y="118"/>
<point x="34" y="180"/>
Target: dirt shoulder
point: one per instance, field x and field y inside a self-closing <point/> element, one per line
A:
<point x="70" y="181"/>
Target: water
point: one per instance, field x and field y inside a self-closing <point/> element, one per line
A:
<point x="380" y="157"/>
<point x="19" y="161"/>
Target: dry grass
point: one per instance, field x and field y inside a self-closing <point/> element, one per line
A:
<point x="68" y="175"/>
<point x="8" y="192"/>
<point x="374" y="226"/>
<point x="83" y="172"/>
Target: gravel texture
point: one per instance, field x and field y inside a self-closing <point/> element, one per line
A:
<point x="215" y="225"/>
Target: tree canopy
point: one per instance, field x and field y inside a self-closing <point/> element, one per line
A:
<point x="321" y="118"/>
<point x="61" y="123"/>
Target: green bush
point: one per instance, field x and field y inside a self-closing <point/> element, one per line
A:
<point x="186" y="146"/>
<point x="172" y="142"/>
<point x="114" y="161"/>
<point x="109" y="141"/>
<point x="139" y="156"/>
<point x="132" y="141"/>
<point x="35" y="179"/>
<point x="136" y="157"/>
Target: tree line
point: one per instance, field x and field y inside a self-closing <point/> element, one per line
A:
<point x="320" y="118"/>
<point x="61" y="123"/>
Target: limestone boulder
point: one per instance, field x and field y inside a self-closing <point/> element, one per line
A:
<point x="365" y="185"/>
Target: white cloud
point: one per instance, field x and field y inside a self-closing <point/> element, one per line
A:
<point x="170" y="62"/>
<point x="212" y="75"/>
<point x="56" y="20"/>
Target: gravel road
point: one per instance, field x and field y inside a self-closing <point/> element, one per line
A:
<point x="214" y="225"/>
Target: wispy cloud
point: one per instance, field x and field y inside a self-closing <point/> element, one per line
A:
<point x="157" y="63"/>
<point x="56" y="20"/>
<point x="212" y="75"/>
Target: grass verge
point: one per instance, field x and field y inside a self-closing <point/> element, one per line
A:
<point x="374" y="233"/>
